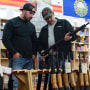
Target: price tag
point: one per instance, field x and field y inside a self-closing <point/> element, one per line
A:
<point x="84" y="67"/>
<point x="68" y="67"/>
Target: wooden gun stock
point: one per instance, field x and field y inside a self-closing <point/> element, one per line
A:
<point x="53" y="75"/>
<point x="59" y="80"/>
<point x="86" y="79"/>
<point x="54" y="82"/>
<point x="81" y="78"/>
<point x="72" y="80"/>
<point x="59" y="76"/>
<point x="71" y="75"/>
<point x="65" y="80"/>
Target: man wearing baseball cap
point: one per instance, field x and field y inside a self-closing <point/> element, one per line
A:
<point x="54" y="31"/>
<point x="20" y="39"/>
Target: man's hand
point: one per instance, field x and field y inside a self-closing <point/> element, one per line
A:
<point x="67" y="38"/>
<point x="33" y="57"/>
<point x="16" y="55"/>
<point x="45" y="55"/>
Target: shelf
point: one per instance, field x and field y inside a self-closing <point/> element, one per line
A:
<point x="4" y="58"/>
<point x="74" y="42"/>
<point x="79" y="51"/>
<point x="86" y="59"/>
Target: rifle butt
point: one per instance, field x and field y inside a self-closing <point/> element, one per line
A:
<point x="86" y="80"/>
<point x="81" y="80"/>
<point x="39" y="81"/>
<point x="72" y="80"/>
<point x="65" y="80"/>
<point x="59" y="80"/>
<point x="54" y="82"/>
<point x="46" y="81"/>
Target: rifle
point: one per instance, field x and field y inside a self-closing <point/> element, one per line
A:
<point x="1" y="78"/>
<point x="62" y="40"/>
<point x="86" y="79"/>
<point x="81" y="78"/>
<point x="53" y="75"/>
<point x="10" y="82"/>
<point x="65" y="75"/>
<point x="40" y="74"/>
<point x="71" y="76"/>
<point x="59" y="76"/>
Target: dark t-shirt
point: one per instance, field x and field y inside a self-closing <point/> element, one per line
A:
<point x="20" y="36"/>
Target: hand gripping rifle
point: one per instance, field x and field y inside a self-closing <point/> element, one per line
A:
<point x="62" y="41"/>
<point x="86" y="79"/>
<point x="71" y="76"/>
<point x="59" y="75"/>
<point x="65" y="75"/>
<point x="53" y="76"/>
<point x="81" y="78"/>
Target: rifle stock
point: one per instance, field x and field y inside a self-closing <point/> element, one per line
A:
<point x="59" y="76"/>
<point x="86" y="79"/>
<point x="65" y="75"/>
<point x="53" y="76"/>
<point x="65" y="80"/>
<point x="81" y="77"/>
<point x="72" y="80"/>
<point x="71" y="75"/>
<point x="59" y="80"/>
<point x="10" y="82"/>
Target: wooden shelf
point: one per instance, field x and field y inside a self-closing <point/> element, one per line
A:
<point x="81" y="46"/>
<point x="4" y="58"/>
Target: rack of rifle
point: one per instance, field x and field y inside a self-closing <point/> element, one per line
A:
<point x="62" y="79"/>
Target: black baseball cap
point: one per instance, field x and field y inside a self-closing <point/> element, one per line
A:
<point x="28" y="7"/>
<point x="47" y="12"/>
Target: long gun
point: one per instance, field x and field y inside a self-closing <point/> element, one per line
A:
<point x="86" y="79"/>
<point x="59" y="75"/>
<point x="40" y="74"/>
<point x="65" y="75"/>
<point x="81" y="78"/>
<point x="62" y="41"/>
<point x="71" y="76"/>
<point x="10" y="82"/>
<point x="53" y="76"/>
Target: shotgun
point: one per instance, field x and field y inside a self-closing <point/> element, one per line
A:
<point x="81" y="78"/>
<point x="65" y="75"/>
<point x="41" y="66"/>
<point x="59" y="75"/>
<point x="10" y="82"/>
<point x="62" y="40"/>
<point x="86" y="79"/>
<point x="53" y="75"/>
<point x="71" y="75"/>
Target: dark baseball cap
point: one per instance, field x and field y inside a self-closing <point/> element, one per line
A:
<point x="28" y="7"/>
<point x="47" y="12"/>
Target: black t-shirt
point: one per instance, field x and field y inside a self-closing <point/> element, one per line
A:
<point x="20" y="36"/>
